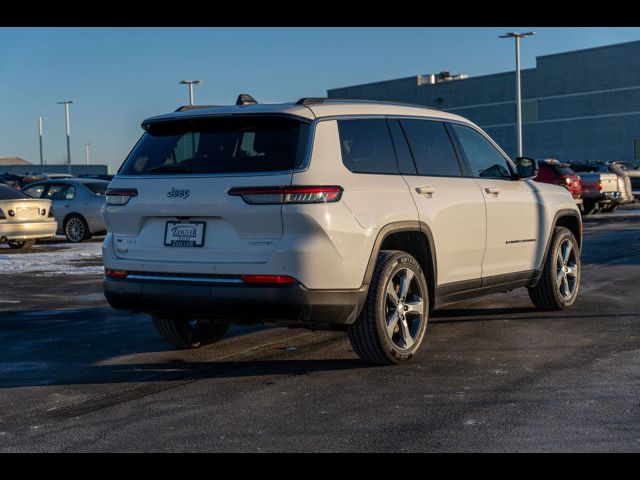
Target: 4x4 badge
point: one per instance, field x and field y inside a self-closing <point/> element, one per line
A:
<point x="182" y="192"/>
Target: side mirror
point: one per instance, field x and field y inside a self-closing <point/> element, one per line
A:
<point x="527" y="167"/>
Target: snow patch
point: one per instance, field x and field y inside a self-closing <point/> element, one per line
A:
<point x="58" y="262"/>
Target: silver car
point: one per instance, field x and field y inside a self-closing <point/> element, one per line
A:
<point x="23" y="220"/>
<point x="76" y="205"/>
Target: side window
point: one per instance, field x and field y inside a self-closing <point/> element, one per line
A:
<point x="405" y="161"/>
<point x="366" y="146"/>
<point x="70" y="194"/>
<point x="485" y="161"/>
<point x="56" y="192"/>
<point x="35" y="191"/>
<point x="432" y="148"/>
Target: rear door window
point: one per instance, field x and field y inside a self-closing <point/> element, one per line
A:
<point x="366" y="146"/>
<point x="242" y="144"/>
<point x="431" y="148"/>
<point x="56" y="191"/>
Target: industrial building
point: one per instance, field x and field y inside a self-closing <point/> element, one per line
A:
<point x="577" y="105"/>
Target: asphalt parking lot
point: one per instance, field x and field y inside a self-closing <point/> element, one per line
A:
<point x="494" y="374"/>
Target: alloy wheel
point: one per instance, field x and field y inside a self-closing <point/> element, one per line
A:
<point x="566" y="270"/>
<point x="404" y="309"/>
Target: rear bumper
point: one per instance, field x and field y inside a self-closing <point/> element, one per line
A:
<point x="28" y="230"/>
<point x="241" y="303"/>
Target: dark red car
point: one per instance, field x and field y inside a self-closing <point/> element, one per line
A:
<point x="556" y="173"/>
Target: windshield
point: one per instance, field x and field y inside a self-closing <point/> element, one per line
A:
<point x="242" y="144"/>
<point x="10" y="193"/>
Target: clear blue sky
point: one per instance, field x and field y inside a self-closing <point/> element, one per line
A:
<point x="119" y="76"/>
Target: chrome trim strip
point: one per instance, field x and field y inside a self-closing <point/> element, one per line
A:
<point x="185" y="279"/>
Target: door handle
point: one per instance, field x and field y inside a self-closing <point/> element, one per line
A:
<point x="492" y="190"/>
<point x="425" y="190"/>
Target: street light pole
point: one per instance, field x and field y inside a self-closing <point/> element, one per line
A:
<point x="40" y="119"/>
<point x="517" y="37"/>
<point x="66" y="116"/>
<point x="86" y="153"/>
<point x="191" y="83"/>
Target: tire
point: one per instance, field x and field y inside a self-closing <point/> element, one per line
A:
<point x="75" y="228"/>
<point x="185" y="333"/>
<point x="379" y="335"/>
<point x="551" y="291"/>
<point x="16" y="244"/>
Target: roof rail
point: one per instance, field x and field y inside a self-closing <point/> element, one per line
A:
<point x="245" y="99"/>
<point x="186" y="108"/>
<point x="311" y="100"/>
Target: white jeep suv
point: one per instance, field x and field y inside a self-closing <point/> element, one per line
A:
<point x="326" y="214"/>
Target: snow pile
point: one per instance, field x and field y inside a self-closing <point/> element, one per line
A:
<point x="67" y="259"/>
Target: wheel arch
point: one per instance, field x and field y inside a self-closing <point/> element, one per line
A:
<point x="567" y="218"/>
<point x="416" y="239"/>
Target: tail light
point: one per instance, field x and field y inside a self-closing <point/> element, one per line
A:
<point x="281" y="195"/>
<point x="599" y="185"/>
<point x="120" y="196"/>
<point x="279" y="279"/>
<point x="115" y="273"/>
<point x="568" y="180"/>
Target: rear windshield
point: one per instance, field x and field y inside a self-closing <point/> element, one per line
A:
<point x="98" y="188"/>
<point x="10" y="193"/>
<point x="565" y="171"/>
<point x="219" y="145"/>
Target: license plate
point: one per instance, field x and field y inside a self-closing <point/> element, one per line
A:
<point x="184" y="234"/>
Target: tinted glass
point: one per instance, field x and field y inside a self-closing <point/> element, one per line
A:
<point x="565" y="171"/>
<point x="403" y="154"/>
<point x="97" y="188"/>
<point x="56" y="192"/>
<point x="34" y="191"/>
<point x="366" y="146"/>
<point x="10" y="193"/>
<point x="242" y="144"/>
<point x="484" y="159"/>
<point x="432" y="148"/>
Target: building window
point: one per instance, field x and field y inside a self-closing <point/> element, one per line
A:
<point x="636" y="149"/>
<point x="530" y="111"/>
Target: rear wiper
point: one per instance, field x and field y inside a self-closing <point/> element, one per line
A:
<point x="171" y="168"/>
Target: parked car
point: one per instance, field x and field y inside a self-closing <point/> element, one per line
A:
<point x="326" y="214"/>
<point x="556" y="173"/>
<point x="76" y="205"/>
<point x="600" y="187"/>
<point x="633" y="171"/>
<point x="23" y="220"/>
<point x="12" y="179"/>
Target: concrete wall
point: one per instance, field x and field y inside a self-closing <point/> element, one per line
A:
<point x="587" y="102"/>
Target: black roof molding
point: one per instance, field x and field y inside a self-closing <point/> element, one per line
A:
<point x="310" y="100"/>
<point x="245" y="99"/>
<point x="186" y="108"/>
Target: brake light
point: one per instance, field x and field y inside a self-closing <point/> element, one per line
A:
<point x="599" y="185"/>
<point x="279" y="279"/>
<point x="120" y="196"/>
<point x="281" y="195"/>
<point x="568" y="180"/>
<point x="115" y="273"/>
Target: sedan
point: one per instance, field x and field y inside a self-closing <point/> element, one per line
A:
<point x="23" y="219"/>
<point x="76" y="205"/>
